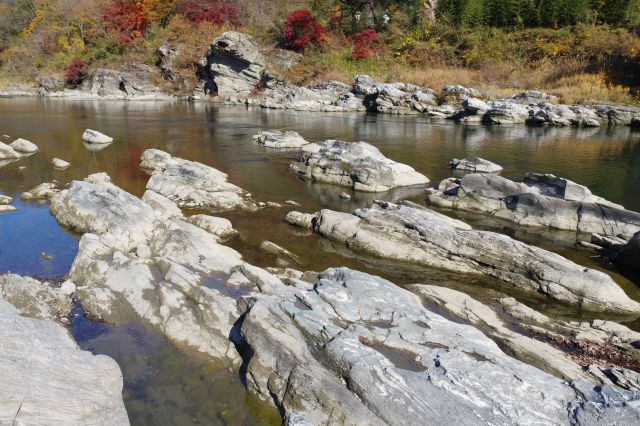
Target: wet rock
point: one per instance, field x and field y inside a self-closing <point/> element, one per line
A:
<point x="59" y="164"/>
<point x="280" y="139"/>
<point x="276" y="250"/>
<point x="475" y="164"/>
<point x="352" y="348"/>
<point x="192" y="184"/>
<point x="344" y="196"/>
<point x="42" y="370"/>
<point x="7" y="208"/>
<point x="233" y="65"/>
<point x="5" y="199"/>
<point x="292" y="203"/>
<point x="542" y="201"/>
<point x="218" y="226"/>
<point x="33" y="298"/>
<point x="23" y="146"/>
<point x="413" y="234"/>
<point x="302" y="220"/>
<point x="7" y="152"/>
<point x="92" y="136"/>
<point x="358" y="165"/>
<point x="44" y="191"/>
<point x="629" y="255"/>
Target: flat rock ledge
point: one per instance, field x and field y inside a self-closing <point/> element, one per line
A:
<point x="541" y="200"/>
<point x="192" y="184"/>
<point x="280" y="139"/>
<point x="357" y="165"/>
<point x="46" y="379"/>
<point x="417" y="235"/>
<point x="475" y="164"/>
<point x="351" y="348"/>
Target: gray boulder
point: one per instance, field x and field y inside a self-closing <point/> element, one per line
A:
<point x="192" y="184"/>
<point x="44" y="191"/>
<point x="132" y="82"/>
<point x="351" y="348"/>
<point x="280" y="139"/>
<point x="417" y="235"/>
<point x="505" y="112"/>
<point x="47" y="380"/>
<point x="233" y="65"/>
<point x="357" y="165"/>
<point x="23" y="146"/>
<point x="475" y="164"/>
<point x="542" y="201"/>
<point x="474" y="106"/>
<point x="93" y="136"/>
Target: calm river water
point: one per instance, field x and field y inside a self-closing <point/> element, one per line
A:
<point x="166" y="386"/>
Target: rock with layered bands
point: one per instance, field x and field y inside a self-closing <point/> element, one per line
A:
<point x="233" y="65"/>
<point x="357" y="165"/>
<point x="475" y="164"/>
<point x="541" y="200"/>
<point x="192" y="184"/>
<point x="351" y="348"/>
<point x="46" y="379"/>
<point x="414" y="234"/>
<point x="280" y="139"/>
<point x="142" y="260"/>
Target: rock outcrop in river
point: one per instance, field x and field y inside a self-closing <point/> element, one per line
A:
<point x="540" y="200"/>
<point x="351" y="348"/>
<point x="45" y="378"/>
<point x="280" y="139"/>
<point x="357" y="165"/>
<point x="410" y="233"/>
<point x="192" y="184"/>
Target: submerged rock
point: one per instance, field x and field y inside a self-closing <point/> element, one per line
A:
<point x="475" y="164"/>
<point x="541" y="200"/>
<point x="280" y="139"/>
<point x="92" y="136"/>
<point x="358" y="165"/>
<point x="413" y="234"/>
<point x="192" y="184"/>
<point x="351" y="348"/>
<point x="47" y="379"/>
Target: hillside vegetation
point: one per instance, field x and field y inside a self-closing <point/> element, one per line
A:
<point x="579" y="50"/>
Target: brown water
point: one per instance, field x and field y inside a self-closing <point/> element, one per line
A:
<point x="166" y="386"/>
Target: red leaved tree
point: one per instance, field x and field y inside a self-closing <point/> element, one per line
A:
<point x="126" y="18"/>
<point x="363" y="44"/>
<point x="218" y="12"/>
<point x="303" y="30"/>
<point x="76" y="72"/>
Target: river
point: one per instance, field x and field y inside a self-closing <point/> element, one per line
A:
<point x="164" y="385"/>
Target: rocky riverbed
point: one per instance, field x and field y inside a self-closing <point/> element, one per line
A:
<point x="330" y="328"/>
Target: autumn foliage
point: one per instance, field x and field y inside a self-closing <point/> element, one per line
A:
<point x="217" y="12"/>
<point x="76" y="71"/>
<point x="127" y="18"/>
<point x="363" y="44"/>
<point x="303" y="30"/>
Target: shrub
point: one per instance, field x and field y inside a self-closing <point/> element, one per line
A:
<point x="126" y="18"/>
<point x="76" y="72"/>
<point x="303" y="30"/>
<point x="215" y="11"/>
<point x="363" y="44"/>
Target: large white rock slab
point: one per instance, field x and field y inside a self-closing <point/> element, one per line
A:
<point x="357" y="165"/>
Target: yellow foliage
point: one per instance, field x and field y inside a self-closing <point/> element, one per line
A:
<point x="158" y="9"/>
<point x="37" y="18"/>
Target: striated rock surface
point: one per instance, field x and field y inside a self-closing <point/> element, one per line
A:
<point x="541" y="200"/>
<point x="47" y="380"/>
<point x="192" y="184"/>
<point x="233" y="65"/>
<point x="351" y="348"/>
<point x="33" y="298"/>
<point x="475" y="164"/>
<point x="357" y="165"/>
<point x="410" y="233"/>
<point x="280" y="139"/>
